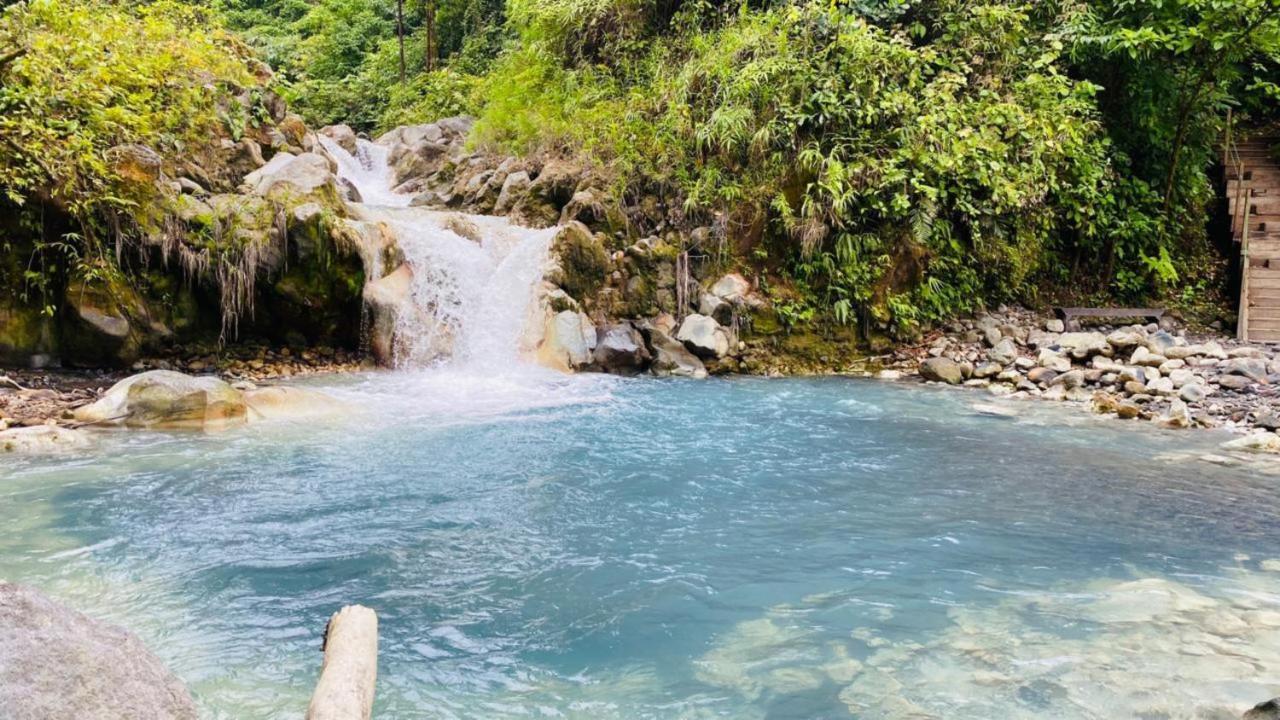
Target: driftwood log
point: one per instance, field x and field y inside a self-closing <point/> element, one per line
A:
<point x="350" y="670"/>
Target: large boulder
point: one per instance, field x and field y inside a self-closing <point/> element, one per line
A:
<point x="289" y="176"/>
<point x="385" y="298"/>
<point x="514" y="187"/>
<point x="342" y="136"/>
<point x="581" y="262"/>
<point x="731" y="288"/>
<point x="670" y="357"/>
<point x="568" y="341"/>
<point x="58" y="664"/>
<point x="621" y="350"/>
<point x="1081" y="345"/>
<point x="940" y="369"/>
<point x="547" y="195"/>
<point x="167" y="399"/>
<point x="703" y="336"/>
<point x="107" y="323"/>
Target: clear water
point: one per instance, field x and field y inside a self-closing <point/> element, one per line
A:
<point x="539" y="545"/>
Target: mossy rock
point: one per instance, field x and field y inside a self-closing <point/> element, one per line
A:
<point x="24" y="332"/>
<point x="583" y="262"/>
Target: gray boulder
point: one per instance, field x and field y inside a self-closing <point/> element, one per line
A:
<point x="288" y="175"/>
<point x="1004" y="352"/>
<point x="1081" y="345"/>
<point x="670" y="357"/>
<point x="703" y="336"/>
<point x="621" y="350"/>
<point x="58" y="664"/>
<point x="940" y="369"/>
<point x="514" y="186"/>
<point x="1253" y="368"/>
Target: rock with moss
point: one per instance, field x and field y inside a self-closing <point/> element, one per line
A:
<point x="548" y="194"/>
<point x="164" y="399"/>
<point x="581" y="262"/>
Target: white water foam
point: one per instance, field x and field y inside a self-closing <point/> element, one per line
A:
<point x="472" y="298"/>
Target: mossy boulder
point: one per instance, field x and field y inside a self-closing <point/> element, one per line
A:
<point x="582" y="262"/>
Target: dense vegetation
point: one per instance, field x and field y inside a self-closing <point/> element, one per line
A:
<point x="894" y="161"/>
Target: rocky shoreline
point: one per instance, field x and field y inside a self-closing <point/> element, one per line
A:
<point x="1162" y="373"/>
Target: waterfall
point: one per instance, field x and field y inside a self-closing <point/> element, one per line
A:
<point x="473" y="291"/>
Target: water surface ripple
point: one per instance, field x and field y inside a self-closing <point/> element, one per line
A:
<point x="538" y="545"/>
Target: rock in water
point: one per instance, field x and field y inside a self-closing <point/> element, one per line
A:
<point x="670" y="357"/>
<point x="1269" y="710"/>
<point x="42" y="439"/>
<point x="167" y="399"/>
<point x="58" y="664"/>
<point x="941" y="369"/>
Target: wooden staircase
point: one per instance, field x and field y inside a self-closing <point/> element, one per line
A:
<point x="1253" y="202"/>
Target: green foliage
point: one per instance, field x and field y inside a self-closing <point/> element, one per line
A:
<point x="90" y="76"/>
<point x="341" y="58"/>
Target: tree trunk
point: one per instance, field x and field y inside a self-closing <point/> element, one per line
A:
<point x="350" y="670"/>
<point x="431" y="53"/>
<point x="400" y="35"/>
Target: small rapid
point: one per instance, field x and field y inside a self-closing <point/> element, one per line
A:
<point x="473" y="280"/>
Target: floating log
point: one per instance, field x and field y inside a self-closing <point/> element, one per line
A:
<point x="350" y="670"/>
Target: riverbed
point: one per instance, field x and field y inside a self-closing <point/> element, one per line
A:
<point x="543" y="545"/>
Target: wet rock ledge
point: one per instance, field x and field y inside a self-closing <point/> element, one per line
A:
<point x="1161" y="373"/>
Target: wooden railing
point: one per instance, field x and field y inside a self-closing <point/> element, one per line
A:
<point x="1231" y="160"/>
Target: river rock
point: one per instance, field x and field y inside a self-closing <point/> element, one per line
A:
<point x="40" y="439"/>
<point x="1268" y="710"/>
<point x="569" y="341"/>
<point x="1253" y="368"/>
<point x="987" y="370"/>
<point x="670" y="357"/>
<point x="1042" y="375"/>
<point x="1257" y="441"/>
<point x="289" y="175"/>
<point x="1081" y="345"/>
<point x="1236" y="383"/>
<point x="342" y="135"/>
<point x="1193" y="392"/>
<point x="514" y="187"/>
<point x="716" y="307"/>
<point x="1160" y="341"/>
<point x="385" y="297"/>
<point x="1053" y="360"/>
<point x="58" y="664"/>
<point x="703" y="336"/>
<point x="621" y="350"/>
<point x="1004" y="352"/>
<point x="941" y="369"/>
<point x="1144" y="357"/>
<point x="1177" y="416"/>
<point x="1128" y="410"/>
<point x="167" y="399"/>
<point x="1054" y="325"/>
<point x="287" y="402"/>
<point x="1069" y="380"/>
<point x="1127" y="338"/>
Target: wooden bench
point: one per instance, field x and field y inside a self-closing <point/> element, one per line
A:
<point x="1070" y="315"/>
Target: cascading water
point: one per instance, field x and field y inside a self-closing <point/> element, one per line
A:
<point x="473" y="290"/>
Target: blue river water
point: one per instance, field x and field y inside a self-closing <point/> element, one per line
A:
<point x="590" y="547"/>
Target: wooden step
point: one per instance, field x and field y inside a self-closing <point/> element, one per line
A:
<point x="1263" y="326"/>
<point x="1260" y="278"/>
<point x="1264" y="336"/>
<point x="1263" y="314"/>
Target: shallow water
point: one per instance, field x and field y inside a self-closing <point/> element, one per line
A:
<point x="540" y="545"/>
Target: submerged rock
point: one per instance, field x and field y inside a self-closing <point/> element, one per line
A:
<point x="281" y="402"/>
<point x="42" y="439"/>
<point x="56" y="663"/>
<point x="167" y="399"/>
